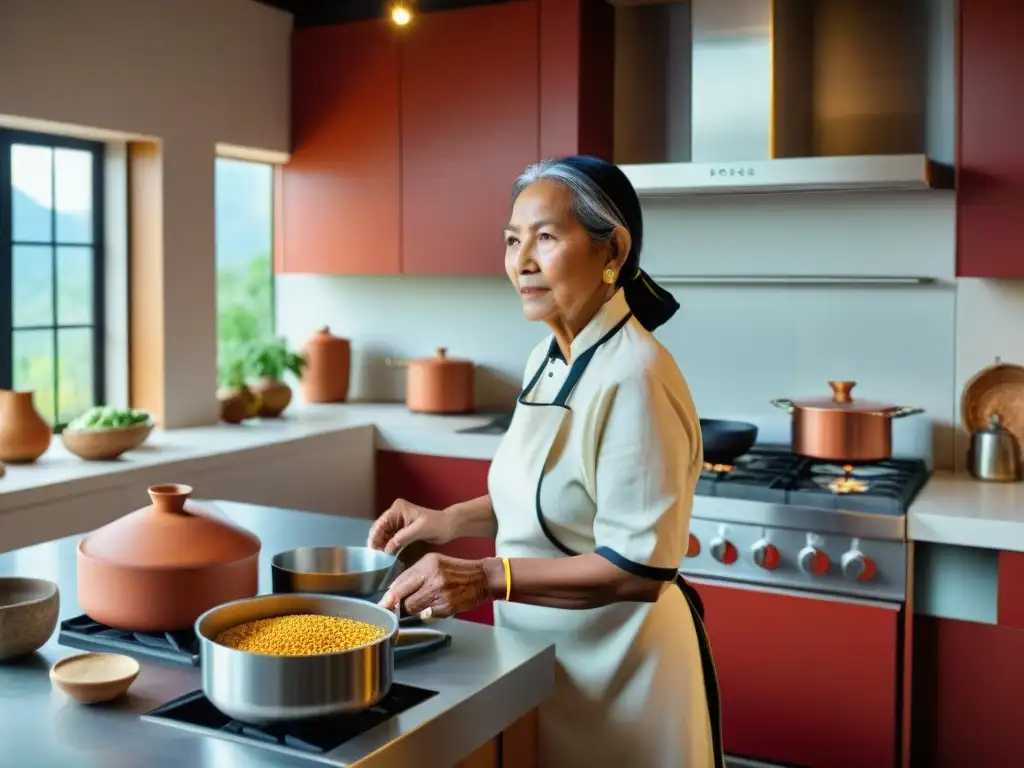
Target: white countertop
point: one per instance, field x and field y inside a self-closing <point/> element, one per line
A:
<point x="958" y="510"/>
<point x="59" y="472"/>
<point x="952" y="509"/>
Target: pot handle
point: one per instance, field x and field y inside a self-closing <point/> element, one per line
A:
<point x="784" y="403"/>
<point x="904" y="410"/>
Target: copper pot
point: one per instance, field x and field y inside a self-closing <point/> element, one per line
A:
<point x="159" y="568"/>
<point x="841" y="429"/>
<point x="438" y="384"/>
<point x="328" y="368"/>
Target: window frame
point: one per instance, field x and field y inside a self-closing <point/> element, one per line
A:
<point x="8" y="138"/>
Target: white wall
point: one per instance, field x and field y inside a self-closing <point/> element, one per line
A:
<point x="191" y="73"/>
<point x="738" y="346"/>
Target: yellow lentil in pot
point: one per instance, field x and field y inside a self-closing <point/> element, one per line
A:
<point x="300" y="635"/>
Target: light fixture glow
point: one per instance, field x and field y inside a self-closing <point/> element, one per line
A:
<point x="400" y="14"/>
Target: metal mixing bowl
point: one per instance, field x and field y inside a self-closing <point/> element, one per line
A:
<point x="351" y="571"/>
<point x="259" y="688"/>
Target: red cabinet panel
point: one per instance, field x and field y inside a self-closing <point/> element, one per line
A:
<point x="968" y="706"/>
<point x="469" y="126"/>
<point x="341" y="189"/>
<point x="577" y="78"/>
<point x="805" y="680"/>
<point x="1010" y="594"/>
<point x="437" y="482"/>
<point x="990" y="167"/>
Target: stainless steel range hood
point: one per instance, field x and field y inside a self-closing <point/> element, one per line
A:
<point x="751" y="118"/>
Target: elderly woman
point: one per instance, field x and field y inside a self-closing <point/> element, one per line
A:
<point x="590" y="491"/>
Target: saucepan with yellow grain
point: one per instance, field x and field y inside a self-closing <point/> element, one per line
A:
<point x="287" y="657"/>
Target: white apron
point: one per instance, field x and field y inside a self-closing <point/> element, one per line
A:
<point x="635" y="683"/>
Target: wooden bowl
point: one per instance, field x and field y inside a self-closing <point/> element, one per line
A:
<point x="997" y="389"/>
<point x="105" y="444"/>
<point x="92" y="678"/>
<point x="28" y="615"/>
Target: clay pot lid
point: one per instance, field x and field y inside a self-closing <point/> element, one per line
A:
<point x="441" y="358"/>
<point x="842" y="400"/>
<point x="172" y="532"/>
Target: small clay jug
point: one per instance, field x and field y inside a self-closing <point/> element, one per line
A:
<point x="24" y="436"/>
<point x="328" y="365"/>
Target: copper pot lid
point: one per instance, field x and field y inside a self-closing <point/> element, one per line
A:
<point x="172" y="532"/>
<point x="842" y="400"/>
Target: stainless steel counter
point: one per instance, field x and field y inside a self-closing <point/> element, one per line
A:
<point x="486" y="679"/>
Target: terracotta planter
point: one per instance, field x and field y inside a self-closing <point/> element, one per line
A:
<point x="328" y="367"/>
<point x="237" y="403"/>
<point x="160" y="567"/>
<point x="272" y="395"/>
<point x="24" y="436"/>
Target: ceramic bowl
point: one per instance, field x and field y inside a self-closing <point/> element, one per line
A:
<point x="28" y="614"/>
<point x="105" y="444"/>
<point x="92" y="678"/>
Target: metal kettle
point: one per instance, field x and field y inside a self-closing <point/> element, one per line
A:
<point x="994" y="455"/>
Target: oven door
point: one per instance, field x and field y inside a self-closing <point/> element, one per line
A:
<point x="806" y="679"/>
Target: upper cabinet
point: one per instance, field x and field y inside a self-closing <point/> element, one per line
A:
<point x="406" y="141"/>
<point x="341" y="189"/>
<point x="470" y="113"/>
<point x="990" y="169"/>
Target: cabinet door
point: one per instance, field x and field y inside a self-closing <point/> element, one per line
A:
<point x="341" y="188"/>
<point x="805" y="680"/>
<point x="470" y="105"/>
<point x="990" y="168"/>
<point x="437" y="482"/>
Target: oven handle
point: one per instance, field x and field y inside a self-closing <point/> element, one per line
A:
<point x="889" y="605"/>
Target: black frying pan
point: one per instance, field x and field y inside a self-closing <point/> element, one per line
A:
<point x="726" y="441"/>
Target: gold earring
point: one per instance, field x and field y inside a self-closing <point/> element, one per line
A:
<point x="609" y="276"/>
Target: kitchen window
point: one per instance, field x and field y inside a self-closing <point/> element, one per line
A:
<point x="245" y="263"/>
<point x="51" y="271"/>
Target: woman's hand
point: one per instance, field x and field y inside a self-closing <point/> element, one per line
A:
<point x="404" y="523"/>
<point x="445" y="585"/>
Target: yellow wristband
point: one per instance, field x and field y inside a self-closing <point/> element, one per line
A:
<point x="508" y="578"/>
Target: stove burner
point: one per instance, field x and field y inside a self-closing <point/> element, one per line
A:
<point x="195" y="712"/>
<point x="775" y="475"/>
<point x="709" y="467"/>
<point x="173" y="647"/>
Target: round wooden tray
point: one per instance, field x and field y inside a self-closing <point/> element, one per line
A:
<point x="996" y="389"/>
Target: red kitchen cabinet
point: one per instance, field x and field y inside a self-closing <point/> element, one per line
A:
<point x="437" y="482"/>
<point x="1010" y="595"/>
<point x="341" y="189"/>
<point x="990" y="162"/>
<point x="469" y="126"/>
<point x="805" y="680"/>
<point x="968" y="706"/>
<point x="577" y="78"/>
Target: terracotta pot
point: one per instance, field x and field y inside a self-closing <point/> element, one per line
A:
<point x="24" y="436"/>
<point x="439" y="384"/>
<point x="250" y="403"/>
<point x="328" y="367"/>
<point x="234" y="408"/>
<point x="272" y="395"/>
<point x="160" y="567"/>
<point x="841" y="429"/>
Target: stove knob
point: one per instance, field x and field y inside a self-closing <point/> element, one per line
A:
<point x="813" y="561"/>
<point x="723" y="551"/>
<point x="765" y="554"/>
<point x="693" y="548"/>
<point x="857" y="566"/>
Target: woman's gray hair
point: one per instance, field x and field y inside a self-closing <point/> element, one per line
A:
<point x="594" y="210"/>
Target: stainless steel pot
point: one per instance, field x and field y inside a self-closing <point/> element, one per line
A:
<point x="347" y="571"/>
<point x="259" y="688"/>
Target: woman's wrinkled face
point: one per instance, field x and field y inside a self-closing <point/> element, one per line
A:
<point x="551" y="260"/>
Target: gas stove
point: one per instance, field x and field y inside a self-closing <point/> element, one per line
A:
<point x="777" y="518"/>
<point x="181" y="648"/>
<point x="195" y="712"/>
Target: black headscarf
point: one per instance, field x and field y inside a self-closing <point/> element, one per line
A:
<point x="651" y="304"/>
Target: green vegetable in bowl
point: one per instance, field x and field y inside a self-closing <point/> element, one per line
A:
<point x="108" y="417"/>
